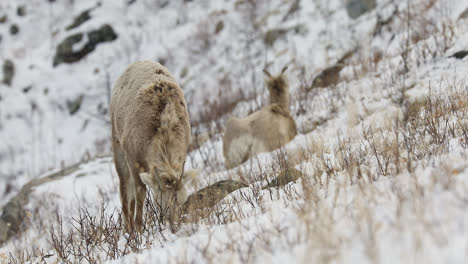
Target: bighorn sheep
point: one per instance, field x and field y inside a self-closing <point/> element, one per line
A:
<point x="150" y="138"/>
<point x="264" y="130"/>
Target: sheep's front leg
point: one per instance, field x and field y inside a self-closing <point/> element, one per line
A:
<point x="125" y="186"/>
<point x="138" y="196"/>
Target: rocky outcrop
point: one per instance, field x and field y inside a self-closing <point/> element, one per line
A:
<point x="67" y="54"/>
<point x="13" y="213"/>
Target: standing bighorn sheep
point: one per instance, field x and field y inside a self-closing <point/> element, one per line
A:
<point x="264" y="130"/>
<point x="150" y="137"/>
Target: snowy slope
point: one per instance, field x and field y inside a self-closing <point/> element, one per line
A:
<point x="412" y="212"/>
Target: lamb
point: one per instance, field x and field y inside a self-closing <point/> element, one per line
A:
<point x="150" y="138"/>
<point x="264" y="130"/>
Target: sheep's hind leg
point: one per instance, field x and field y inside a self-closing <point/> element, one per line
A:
<point x="140" y="196"/>
<point x="125" y="186"/>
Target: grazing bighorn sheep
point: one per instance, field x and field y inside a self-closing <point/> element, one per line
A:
<point x="264" y="130"/>
<point x="150" y="138"/>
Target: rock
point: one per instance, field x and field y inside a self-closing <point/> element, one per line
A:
<point x="219" y="26"/>
<point x="21" y="11"/>
<point x="14" y="29"/>
<point x="356" y="8"/>
<point x="65" y="52"/>
<point x="460" y="54"/>
<point x="80" y="19"/>
<point x="8" y="72"/>
<point x="129" y="2"/>
<point x="13" y="213"/>
<point x="295" y="6"/>
<point x="210" y="195"/>
<point x="331" y="75"/>
<point x="3" y="19"/>
<point x="272" y="35"/>
<point x="74" y="105"/>
<point x="184" y="72"/>
<point x="285" y="177"/>
<point x="27" y="89"/>
<point x="463" y="15"/>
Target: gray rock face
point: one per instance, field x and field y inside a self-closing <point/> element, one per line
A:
<point x="8" y="72"/>
<point x="356" y="8"/>
<point x="65" y="52"/>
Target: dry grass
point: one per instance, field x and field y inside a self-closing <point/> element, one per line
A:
<point x="348" y="166"/>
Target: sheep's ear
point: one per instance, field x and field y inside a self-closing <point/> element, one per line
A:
<point x="284" y="69"/>
<point x="266" y="73"/>
<point x="146" y="178"/>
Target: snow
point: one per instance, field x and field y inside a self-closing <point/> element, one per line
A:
<point x="417" y="216"/>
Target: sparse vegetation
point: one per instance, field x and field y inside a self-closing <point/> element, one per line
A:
<point x="380" y="159"/>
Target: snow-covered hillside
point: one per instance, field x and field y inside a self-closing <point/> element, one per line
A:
<point x="380" y="103"/>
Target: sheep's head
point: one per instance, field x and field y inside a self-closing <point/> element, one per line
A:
<point x="166" y="152"/>
<point x="278" y="87"/>
<point x="277" y="84"/>
<point x="165" y="160"/>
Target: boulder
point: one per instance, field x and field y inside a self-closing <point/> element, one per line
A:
<point x="331" y="75"/>
<point x="65" y="52"/>
<point x="210" y="195"/>
<point x="460" y="54"/>
<point x="21" y="11"/>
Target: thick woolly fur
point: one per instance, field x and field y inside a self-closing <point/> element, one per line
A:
<point x="264" y="130"/>
<point x="150" y="138"/>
